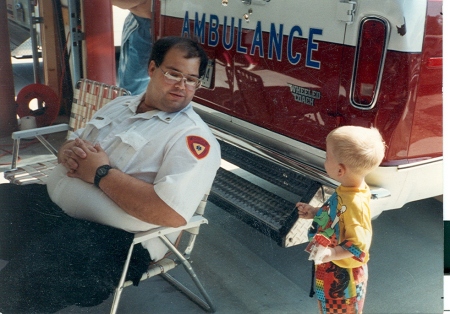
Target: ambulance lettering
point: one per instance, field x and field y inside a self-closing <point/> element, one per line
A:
<point x="274" y="45"/>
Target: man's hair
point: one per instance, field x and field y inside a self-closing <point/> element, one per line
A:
<point x="191" y="49"/>
<point x="359" y="148"/>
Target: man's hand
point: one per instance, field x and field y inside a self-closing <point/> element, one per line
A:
<point x="69" y="162"/>
<point x="83" y="159"/>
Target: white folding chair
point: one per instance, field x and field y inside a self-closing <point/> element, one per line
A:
<point x="163" y="266"/>
<point x="89" y="96"/>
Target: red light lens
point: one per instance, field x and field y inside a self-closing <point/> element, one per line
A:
<point x="434" y="62"/>
<point x="369" y="62"/>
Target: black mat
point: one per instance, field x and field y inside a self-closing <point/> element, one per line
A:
<point x="76" y="263"/>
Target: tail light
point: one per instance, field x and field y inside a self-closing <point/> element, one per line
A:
<point x="369" y="61"/>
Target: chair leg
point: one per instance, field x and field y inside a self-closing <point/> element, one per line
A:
<point x="15" y="153"/>
<point x="206" y="304"/>
<point x="120" y="286"/>
<point x="116" y="300"/>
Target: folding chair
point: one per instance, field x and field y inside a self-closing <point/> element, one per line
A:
<point x="166" y="264"/>
<point x="89" y="97"/>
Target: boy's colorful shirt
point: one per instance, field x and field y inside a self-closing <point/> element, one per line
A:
<point x="345" y="220"/>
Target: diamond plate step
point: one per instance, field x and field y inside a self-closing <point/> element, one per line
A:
<point x="268" y="213"/>
<point x="276" y="174"/>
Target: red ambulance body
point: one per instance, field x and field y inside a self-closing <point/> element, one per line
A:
<point x="284" y="73"/>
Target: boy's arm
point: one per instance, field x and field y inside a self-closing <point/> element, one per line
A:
<point x="336" y="253"/>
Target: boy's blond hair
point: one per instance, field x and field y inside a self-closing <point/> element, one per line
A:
<point x="358" y="148"/>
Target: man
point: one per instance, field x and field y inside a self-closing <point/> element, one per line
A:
<point x="136" y="45"/>
<point x="156" y="144"/>
<point x="143" y="161"/>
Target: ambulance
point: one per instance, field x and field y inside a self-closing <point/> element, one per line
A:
<point x="283" y="73"/>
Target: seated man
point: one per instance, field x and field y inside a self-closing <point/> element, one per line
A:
<point x="143" y="161"/>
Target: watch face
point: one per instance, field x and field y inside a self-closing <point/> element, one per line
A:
<point x="100" y="173"/>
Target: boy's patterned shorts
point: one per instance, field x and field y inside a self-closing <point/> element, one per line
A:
<point x="340" y="307"/>
<point x="341" y="290"/>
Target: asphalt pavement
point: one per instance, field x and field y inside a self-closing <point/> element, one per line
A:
<point x="246" y="272"/>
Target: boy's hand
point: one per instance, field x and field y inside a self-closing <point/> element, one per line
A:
<point x="321" y="254"/>
<point x="327" y="256"/>
<point x="306" y="211"/>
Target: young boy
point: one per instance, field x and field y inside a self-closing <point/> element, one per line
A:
<point x="341" y="232"/>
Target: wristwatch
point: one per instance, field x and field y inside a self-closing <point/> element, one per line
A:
<point x="101" y="172"/>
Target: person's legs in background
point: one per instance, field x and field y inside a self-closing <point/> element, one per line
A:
<point x="134" y="54"/>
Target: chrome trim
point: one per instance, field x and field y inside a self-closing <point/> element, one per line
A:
<point x="380" y="76"/>
<point x="281" y="150"/>
<point x="420" y="163"/>
<point x="273" y="156"/>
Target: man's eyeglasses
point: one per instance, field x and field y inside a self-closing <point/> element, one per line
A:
<point x="173" y="77"/>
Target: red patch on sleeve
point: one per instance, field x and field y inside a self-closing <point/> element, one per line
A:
<point x="198" y="146"/>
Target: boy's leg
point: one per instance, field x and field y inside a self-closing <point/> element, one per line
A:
<point x="322" y="307"/>
<point x="26" y="213"/>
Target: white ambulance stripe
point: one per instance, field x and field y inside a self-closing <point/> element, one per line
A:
<point x="321" y="16"/>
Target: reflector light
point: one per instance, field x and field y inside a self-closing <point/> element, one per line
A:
<point x="369" y="61"/>
<point x="434" y="62"/>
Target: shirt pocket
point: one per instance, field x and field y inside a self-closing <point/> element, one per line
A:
<point x="93" y="128"/>
<point x="125" y="149"/>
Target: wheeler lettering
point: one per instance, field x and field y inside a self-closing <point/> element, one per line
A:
<point x="304" y="95"/>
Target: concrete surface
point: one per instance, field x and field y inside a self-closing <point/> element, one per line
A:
<point x="246" y="272"/>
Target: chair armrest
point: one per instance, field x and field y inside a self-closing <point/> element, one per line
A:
<point x="40" y="131"/>
<point x="36" y="132"/>
<point x="154" y="233"/>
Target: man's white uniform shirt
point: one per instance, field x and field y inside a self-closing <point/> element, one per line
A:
<point x="174" y="151"/>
